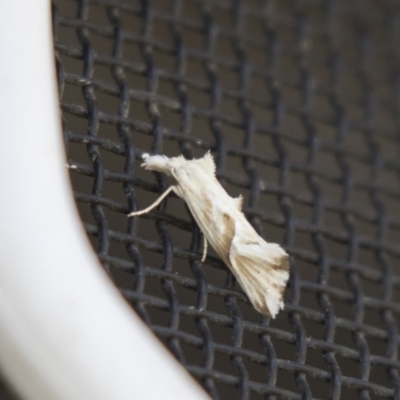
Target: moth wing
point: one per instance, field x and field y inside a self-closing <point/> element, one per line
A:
<point x="238" y="202"/>
<point x="207" y="164"/>
<point x="262" y="270"/>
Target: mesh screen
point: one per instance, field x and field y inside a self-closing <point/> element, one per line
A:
<point x="299" y="103"/>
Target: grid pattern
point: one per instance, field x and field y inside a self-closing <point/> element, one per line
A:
<point x="299" y="102"/>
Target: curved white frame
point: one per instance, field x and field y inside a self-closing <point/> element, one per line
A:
<point x="65" y="331"/>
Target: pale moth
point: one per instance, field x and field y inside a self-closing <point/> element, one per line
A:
<point x="261" y="268"/>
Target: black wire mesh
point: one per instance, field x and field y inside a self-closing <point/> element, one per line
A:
<point x="299" y="102"/>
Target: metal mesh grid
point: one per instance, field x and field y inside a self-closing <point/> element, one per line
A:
<point x="299" y="102"/>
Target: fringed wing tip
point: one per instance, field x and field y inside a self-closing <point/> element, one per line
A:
<point x="273" y="295"/>
<point x="265" y="287"/>
<point x="270" y="307"/>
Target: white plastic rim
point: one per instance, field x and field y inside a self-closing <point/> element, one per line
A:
<point x="65" y="331"/>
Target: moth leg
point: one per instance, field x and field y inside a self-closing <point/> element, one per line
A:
<point x="154" y="205"/>
<point x="204" y="248"/>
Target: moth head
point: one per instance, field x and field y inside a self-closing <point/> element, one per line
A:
<point x="180" y="168"/>
<point x="163" y="164"/>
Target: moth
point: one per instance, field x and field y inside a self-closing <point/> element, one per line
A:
<point x="261" y="268"/>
